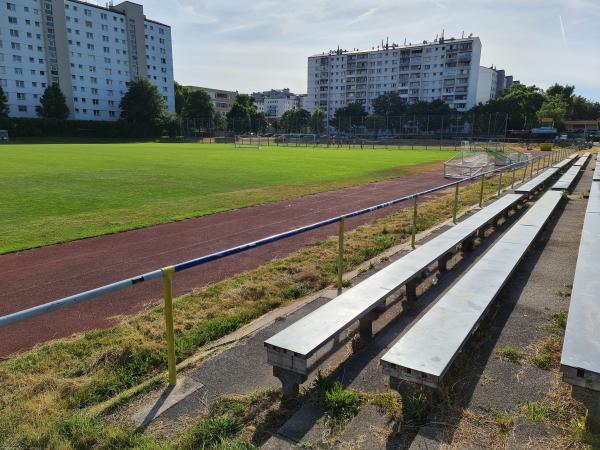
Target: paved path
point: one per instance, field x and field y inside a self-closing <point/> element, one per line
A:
<point x="37" y="276"/>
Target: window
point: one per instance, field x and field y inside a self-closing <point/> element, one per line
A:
<point x="11" y="6"/>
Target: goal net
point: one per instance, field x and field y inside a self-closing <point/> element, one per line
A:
<point x="297" y="140"/>
<point x="248" y="141"/>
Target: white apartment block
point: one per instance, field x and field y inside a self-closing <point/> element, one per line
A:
<point x="275" y="102"/>
<point x="492" y="83"/>
<point x="91" y="52"/>
<point x="488" y="84"/>
<point x="221" y="99"/>
<point x="446" y="69"/>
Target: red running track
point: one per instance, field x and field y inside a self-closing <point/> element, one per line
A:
<point x="41" y="275"/>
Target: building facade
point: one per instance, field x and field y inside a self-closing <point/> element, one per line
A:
<point x="492" y="83"/>
<point x="90" y="52"/>
<point x="275" y="102"/>
<point x="487" y="85"/>
<point x="446" y="69"/>
<point x="220" y="98"/>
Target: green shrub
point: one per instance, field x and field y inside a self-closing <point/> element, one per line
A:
<point x="209" y="433"/>
<point x="341" y="405"/>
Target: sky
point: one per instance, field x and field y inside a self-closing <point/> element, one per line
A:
<point x="255" y="45"/>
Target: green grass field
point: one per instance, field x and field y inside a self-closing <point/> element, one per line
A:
<point x="55" y="193"/>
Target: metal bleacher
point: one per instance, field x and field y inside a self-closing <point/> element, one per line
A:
<point x="294" y="351"/>
<point x="538" y="182"/>
<point x="426" y="351"/>
<point x="298" y="349"/>
<point x="580" y="361"/>
<point x="567" y="180"/>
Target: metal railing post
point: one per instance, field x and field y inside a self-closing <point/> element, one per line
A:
<point x="525" y="173"/>
<point x="168" y="294"/>
<point x="531" y="173"/>
<point x="499" y="183"/>
<point x="455" y="208"/>
<point x="481" y="191"/>
<point x="340" y="258"/>
<point x="513" y="178"/>
<point x="414" y="224"/>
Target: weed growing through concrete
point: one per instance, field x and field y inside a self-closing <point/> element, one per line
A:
<point x="510" y="354"/>
<point x="341" y="405"/>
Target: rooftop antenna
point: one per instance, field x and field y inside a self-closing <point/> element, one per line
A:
<point x="463" y="35"/>
<point x="405" y="42"/>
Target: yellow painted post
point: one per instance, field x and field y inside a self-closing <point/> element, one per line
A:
<point x="340" y="259"/>
<point x="168" y="294"/>
<point x="414" y="224"/>
<point x="455" y="208"/>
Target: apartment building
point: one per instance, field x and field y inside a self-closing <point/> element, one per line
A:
<point x="492" y="83"/>
<point x="445" y="69"/>
<point x="221" y="99"/>
<point x="276" y="101"/>
<point x="91" y="52"/>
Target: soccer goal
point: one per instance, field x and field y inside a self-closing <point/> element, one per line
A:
<point x="297" y="140"/>
<point x="248" y="141"/>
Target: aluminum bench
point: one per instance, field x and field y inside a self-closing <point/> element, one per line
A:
<point x="580" y="361"/>
<point x="583" y="159"/>
<point x="425" y="353"/>
<point x="295" y="351"/>
<point x="563" y="164"/>
<point x="567" y="180"/>
<point x="538" y="182"/>
<point x="596" y="176"/>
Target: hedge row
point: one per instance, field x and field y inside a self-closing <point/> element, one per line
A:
<point x="20" y="127"/>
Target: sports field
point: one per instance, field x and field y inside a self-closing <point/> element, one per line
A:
<point x="55" y="193"/>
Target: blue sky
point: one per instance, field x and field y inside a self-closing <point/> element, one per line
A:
<point x="249" y="45"/>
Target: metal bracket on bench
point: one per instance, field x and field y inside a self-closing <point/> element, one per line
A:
<point x="591" y="401"/>
<point x="290" y="381"/>
<point x="443" y="262"/>
<point x="365" y="327"/>
<point x="411" y="290"/>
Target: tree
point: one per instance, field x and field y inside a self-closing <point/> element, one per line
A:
<point x="389" y="104"/>
<point x="317" y="121"/>
<point x="170" y="123"/>
<point x="3" y="104"/>
<point x="182" y="94"/>
<point x="436" y="107"/>
<point x="199" y="105"/>
<point x="519" y="105"/>
<point x="244" y="116"/>
<point x="556" y="108"/>
<point x="142" y="107"/>
<point x="258" y="121"/>
<point x="53" y="104"/>
<point x="218" y="121"/>
<point x="583" y="109"/>
<point x="294" y="121"/>
<point x="349" y="117"/>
